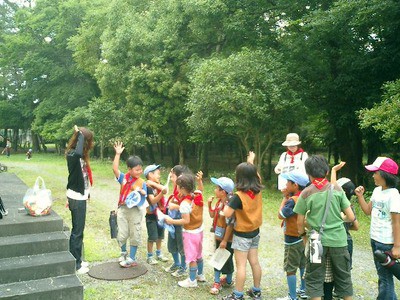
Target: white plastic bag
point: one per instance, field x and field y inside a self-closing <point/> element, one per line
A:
<point x="219" y="258"/>
<point x="37" y="200"/>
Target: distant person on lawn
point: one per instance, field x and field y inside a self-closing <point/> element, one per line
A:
<point x="131" y="205"/>
<point x="78" y="189"/>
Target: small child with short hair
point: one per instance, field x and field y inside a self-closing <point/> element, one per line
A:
<point x="29" y="154"/>
<point x="175" y="241"/>
<point x="223" y="231"/>
<point x="313" y="202"/>
<point x="191" y="209"/>
<point x="155" y="198"/>
<point x="384" y="209"/>
<point x="131" y="205"/>
<point x="294" y="257"/>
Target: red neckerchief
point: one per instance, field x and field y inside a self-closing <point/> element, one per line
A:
<point x="89" y="171"/>
<point x="250" y="194"/>
<point x="126" y="188"/>
<point x="319" y="182"/>
<point x="197" y="199"/>
<point x="292" y="154"/>
<point x="297" y="194"/>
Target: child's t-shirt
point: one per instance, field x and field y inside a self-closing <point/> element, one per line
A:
<point x="314" y="200"/>
<point x="384" y="202"/>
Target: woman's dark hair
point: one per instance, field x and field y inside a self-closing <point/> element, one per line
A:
<point x="316" y="166"/>
<point x="134" y="161"/>
<point x="187" y="182"/>
<point x="391" y="180"/>
<point x="247" y="178"/>
<point x="179" y="170"/>
<point x="88" y="143"/>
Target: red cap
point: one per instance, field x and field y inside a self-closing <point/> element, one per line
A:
<point x="384" y="164"/>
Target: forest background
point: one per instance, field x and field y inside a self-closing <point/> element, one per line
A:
<point x="179" y="80"/>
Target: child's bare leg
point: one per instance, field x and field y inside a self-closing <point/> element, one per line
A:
<point x="150" y="247"/>
<point x="255" y="267"/>
<point x="158" y="244"/>
<point x="241" y="260"/>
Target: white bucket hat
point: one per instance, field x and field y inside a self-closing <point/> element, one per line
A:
<point x="292" y="139"/>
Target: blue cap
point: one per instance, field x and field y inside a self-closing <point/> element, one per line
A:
<point x="297" y="177"/>
<point x="150" y="168"/>
<point x="225" y="183"/>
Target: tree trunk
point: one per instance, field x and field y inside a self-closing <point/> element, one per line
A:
<point x="203" y="158"/>
<point x="181" y="154"/>
<point x="350" y="151"/>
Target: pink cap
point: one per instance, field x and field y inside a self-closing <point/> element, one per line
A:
<point x="384" y="164"/>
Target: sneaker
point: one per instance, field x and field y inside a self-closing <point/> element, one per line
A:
<point x="226" y="284"/>
<point x="162" y="258"/>
<point x="128" y="263"/>
<point x="254" y="295"/>
<point x="172" y="268"/>
<point x="187" y="283"/>
<point x="301" y="294"/>
<point x="179" y="273"/>
<point x="201" y="278"/>
<point x="122" y="256"/>
<point x="82" y="270"/>
<point x="286" y="298"/>
<point x="152" y="261"/>
<point x="84" y="264"/>
<point x="233" y="297"/>
<point x="217" y="286"/>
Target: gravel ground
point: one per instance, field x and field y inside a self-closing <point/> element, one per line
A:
<point x="271" y="257"/>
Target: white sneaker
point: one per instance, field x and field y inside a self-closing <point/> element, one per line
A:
<point x="82" y="270"/>
<point x="201" y="278"/>
<point x="285" y="298"/>
<point x="84" y="264"/>
<point x="152" y="261"/>
<point x="162" y="258"/>
<point x="187" y="283"/>
<point x="123" y="256"/>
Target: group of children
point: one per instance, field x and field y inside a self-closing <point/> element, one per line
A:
<point x="311" y="204"/>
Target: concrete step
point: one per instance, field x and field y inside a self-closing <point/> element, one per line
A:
<point x="39" y="266"/>
<point x="20" y="223"/>
<point x="21" y="245"/>
<point x="61" y="287"/>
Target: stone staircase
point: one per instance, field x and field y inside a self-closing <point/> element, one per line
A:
<point x="34" y="259"/>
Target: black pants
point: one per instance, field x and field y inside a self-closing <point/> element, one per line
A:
<point x="78" y="215"/>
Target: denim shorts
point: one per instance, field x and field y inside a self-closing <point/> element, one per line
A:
<point x="245" y="244"/>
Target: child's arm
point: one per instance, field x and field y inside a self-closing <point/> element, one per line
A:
<point x="334" y="171"/>
<point x="156" y="185"/>
<point x="286" y="209"/>
<point x="185" y="220"/>
<point x="228" y="211"/>
<point x="173" y="206"/>
<point x="396" y="234"/>
<point x="211" y="211"/>
<point x="366" y="207"/>
<point x="250" y="157"/>
<point x="228" y="233"/>
<point x="199" y="178"/>
<point x="301" y="229"/>
<point x="118" y="147"/>
<point x="349" y="215"/>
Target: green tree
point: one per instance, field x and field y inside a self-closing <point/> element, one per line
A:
<point x="246" y="96"/>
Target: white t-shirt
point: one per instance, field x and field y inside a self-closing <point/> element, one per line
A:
<point x="384" y="202"/>
<point x="285" y="165"/>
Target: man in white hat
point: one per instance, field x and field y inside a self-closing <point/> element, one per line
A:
<point x="292" y="159"/>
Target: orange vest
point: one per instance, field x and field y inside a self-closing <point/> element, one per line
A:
<point x="196" y="216"/>
<point x="221" y="221"/>
<point x="291" y="222"/>
<point x="249" y="218"/>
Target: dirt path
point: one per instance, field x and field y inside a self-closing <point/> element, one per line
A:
<point x="153" y="284"/>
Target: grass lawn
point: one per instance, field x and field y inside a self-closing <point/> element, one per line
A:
<point x="156" y="284"/>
